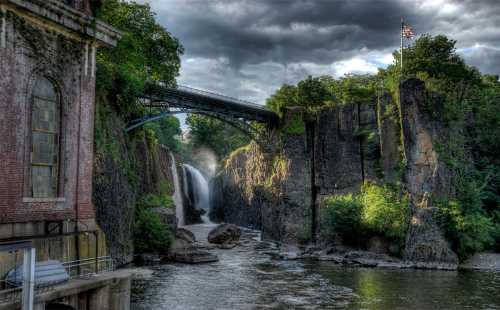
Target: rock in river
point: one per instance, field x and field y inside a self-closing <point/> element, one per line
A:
<point x="224" y="234"/>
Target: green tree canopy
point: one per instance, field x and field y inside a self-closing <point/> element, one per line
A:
<point x="215" y="134"/>
<point x="313" y="93"/>
<point x="147" y="52"/>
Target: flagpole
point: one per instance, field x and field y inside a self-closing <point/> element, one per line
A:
<point x="401" y="34"/>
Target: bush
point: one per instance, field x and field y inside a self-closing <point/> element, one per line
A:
<point x="150" y="233"/>
<point x="153" y="200"/>
<point x="342" y="215"/>
<point x="468" y="232"/>
<point x="385" y="210"/>
<point x="381" y="210"/>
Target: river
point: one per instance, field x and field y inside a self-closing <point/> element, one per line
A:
<point x="247" y="278"/>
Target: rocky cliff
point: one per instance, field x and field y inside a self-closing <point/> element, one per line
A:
<point x="125" y="169"/>
<point x="333" y="152"/>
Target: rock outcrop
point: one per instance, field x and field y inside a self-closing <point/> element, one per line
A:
<point x="333" y="152"/>
<point x="425" y="175"/>
<point x="224" y="234"/>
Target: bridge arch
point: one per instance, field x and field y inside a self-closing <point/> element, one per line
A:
<point x="166" y="101"/>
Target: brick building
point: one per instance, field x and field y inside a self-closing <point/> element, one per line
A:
<point x="47" y="87"/>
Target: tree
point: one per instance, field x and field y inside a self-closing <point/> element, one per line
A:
<point x="285" y="96"/>
<point x="434" y="59"/>
<point x="147" y="52"/>
<point x="309" y="93"/>
<point x="215" y="134"/>
<point x="167" y="130"/>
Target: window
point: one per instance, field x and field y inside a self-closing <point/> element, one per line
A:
<point x="45" y="125"/>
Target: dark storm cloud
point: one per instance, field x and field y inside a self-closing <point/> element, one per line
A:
<point x="283" y="31"/>
<point x="249" y="48"/>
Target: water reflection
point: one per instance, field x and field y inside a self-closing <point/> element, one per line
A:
<point x="248" y="279"/>
<point x="414" y="289"/>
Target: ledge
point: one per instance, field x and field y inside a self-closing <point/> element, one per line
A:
<point x="35" y="200"/>
<point x="68" y="18"/>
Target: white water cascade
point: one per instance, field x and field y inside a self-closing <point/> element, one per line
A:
<point x="200" y="190"/>
<point x="177" y="196"/>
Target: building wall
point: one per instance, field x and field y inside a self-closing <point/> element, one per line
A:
<point x="62" y="228"/>
<point x="31" y="50"/>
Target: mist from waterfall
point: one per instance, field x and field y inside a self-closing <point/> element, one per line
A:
<point x="177" y="196"/>
<point x="200" y="190"/>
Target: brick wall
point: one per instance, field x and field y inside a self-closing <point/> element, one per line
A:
<point x="30" y="51"/>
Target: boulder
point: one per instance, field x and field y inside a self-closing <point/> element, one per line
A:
<point x="186" y="235"/>
<point x="224" y="233"/>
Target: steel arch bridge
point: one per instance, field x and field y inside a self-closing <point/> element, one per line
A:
<point x="164" y="101"/>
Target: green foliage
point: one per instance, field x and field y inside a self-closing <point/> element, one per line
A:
<point x="352" y="88"/>
<point x="342" y="215"/>
<point x="314" y="93"/>
<point x="286" y="96"/>
<point x="146" y="53"/>
<point x="434" y="60"/>
<point x="151" y="235"/>
<point x="310" y="93"/>
<point x="162" y="198"/>
<point x="469" y="231"/>
<point x="382" y="210"/>
<point x="215" y="134"/>
<point x="296" y="125"/>
<point x="385" y="210"/>
<point x="167" y="131"/>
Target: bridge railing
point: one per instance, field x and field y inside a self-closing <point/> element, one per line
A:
<point x="218" y="96"/>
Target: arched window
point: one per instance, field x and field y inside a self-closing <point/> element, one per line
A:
<point x="45" y="126"/>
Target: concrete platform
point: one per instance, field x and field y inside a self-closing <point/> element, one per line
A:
<point x="109" y="290"/>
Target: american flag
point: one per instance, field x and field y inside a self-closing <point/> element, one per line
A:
<point x="407" y="32"/>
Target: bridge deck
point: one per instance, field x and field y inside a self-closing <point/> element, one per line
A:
<point x="202" y="101"/>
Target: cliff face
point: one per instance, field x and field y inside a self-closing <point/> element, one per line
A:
<point x="267" y="190"/>
<point x="125" y="169"/>
<point x="425" y="175"/>
<point x="338" y="149"/>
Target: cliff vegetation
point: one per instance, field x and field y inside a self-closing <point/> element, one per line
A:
<point x="132" y="170"/>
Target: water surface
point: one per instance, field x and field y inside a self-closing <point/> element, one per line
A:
<point x="246" y="278"/>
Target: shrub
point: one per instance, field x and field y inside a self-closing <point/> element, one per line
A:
<point x="468" y="232"/>
<point x="385" y="210"/>
<point x="153" y="200"/>
<point x="342" y="215"/>
<point x="381" y="210"/>
<point x="150" y="233"/>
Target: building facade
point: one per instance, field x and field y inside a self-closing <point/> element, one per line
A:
<point x="47" y="90"/>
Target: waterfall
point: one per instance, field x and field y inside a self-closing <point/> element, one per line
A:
<point x="177" y="196"/>
<point x="199" y="187"/>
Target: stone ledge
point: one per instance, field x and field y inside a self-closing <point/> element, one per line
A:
<point x="68" y="18"/>
<point x="35" y="200"/>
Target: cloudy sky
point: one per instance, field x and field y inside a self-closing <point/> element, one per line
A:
<point x="249" y="48"/>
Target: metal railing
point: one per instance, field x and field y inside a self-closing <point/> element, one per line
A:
<point x="84" y="268"/>
<point x="215" y="95"/>
<point x="77" y="269"/>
